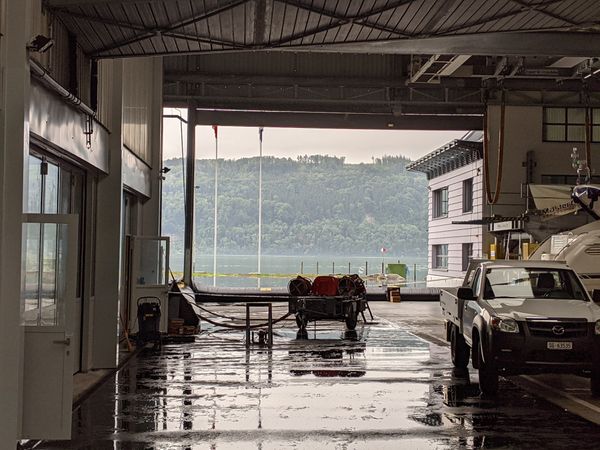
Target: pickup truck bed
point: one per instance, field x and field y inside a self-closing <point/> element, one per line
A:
<point x="452" y="306"/>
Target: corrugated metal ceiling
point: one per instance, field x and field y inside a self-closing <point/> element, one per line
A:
<point x="120" y="28"/>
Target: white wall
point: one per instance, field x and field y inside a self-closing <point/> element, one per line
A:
<point x="138" y="84"/>
<point x="442" y="231"/>
<point x="523" y="132"/>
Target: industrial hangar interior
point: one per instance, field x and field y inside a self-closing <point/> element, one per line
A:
<point x="84" y="85"/>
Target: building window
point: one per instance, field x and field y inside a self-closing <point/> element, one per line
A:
<point x="440" y="256"/>
<point x="440" y="202"/>
<point x="468" y="195"/>
<point x="467" y="254"/>
<point x="568" y="124"/>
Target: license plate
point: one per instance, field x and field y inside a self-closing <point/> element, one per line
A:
<point x="560" y="346"/>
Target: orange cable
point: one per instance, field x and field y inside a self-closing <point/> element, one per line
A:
<point x="486" y="170"/>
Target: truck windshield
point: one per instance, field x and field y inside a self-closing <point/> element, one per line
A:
<point x="521" y="282"/>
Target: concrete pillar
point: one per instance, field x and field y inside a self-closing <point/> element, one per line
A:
<point x="151" y="209"/>
<point x="14" y="150"/>
<point x="108" y="235"/>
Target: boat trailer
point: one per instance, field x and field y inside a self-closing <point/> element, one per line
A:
<point x="313" y="308"/>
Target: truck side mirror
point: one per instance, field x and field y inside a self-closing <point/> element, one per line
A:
<point x="465" y="293"/>
<point x="596" y="295"/>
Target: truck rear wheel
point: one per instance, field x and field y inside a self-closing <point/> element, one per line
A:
<point x="595" y="383"/>
<point x="488" y="376"/>
<point x="459" y="350"/>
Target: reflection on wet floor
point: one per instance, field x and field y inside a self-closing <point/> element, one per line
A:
<point x="381" y="387"/>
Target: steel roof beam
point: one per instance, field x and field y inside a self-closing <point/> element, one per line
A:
<point x="149" y="33"/>
<point x="261" y="18"/>
<point x="486" y="44"/>
<point x="381" y="9"/>
<point x="494" y="18"/>
<point x="283" y="80"/>
<point x="533" y="7"/>
<point x="532" y="83"/>
<point x="98" y="19"/>
<point x="70" y="3"/>
<point x="341" y="20"/>
<point x="348" y="121"/>
<point x="205" y="40"/>
<point x="375" y="106"/>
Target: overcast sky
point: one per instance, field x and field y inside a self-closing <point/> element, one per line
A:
<point x="356" y="145"/>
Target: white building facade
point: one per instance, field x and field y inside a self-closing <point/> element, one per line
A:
<point x="455" y="185"/>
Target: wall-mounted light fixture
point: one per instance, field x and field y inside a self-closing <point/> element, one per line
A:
<point x="40" y="44"/>
<point x="164" y="171"/>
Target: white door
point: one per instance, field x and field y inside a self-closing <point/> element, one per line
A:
<point x="49" y="266"/>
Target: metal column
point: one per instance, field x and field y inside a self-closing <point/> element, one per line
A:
<point x="109" y="202"/>
<point x="190" y="180"/>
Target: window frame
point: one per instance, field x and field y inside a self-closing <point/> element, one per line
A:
<point x="437" y="210"/>
<point x="467" y="201"/>
<point x="595" y="126"/>
<point x="466" y="259"/>
<point x="435" y="255"/>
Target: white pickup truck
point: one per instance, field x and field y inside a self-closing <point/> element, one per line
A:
<point x="515" y="317"/>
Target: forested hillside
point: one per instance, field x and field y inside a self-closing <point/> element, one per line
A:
<point x="315" y="205"/>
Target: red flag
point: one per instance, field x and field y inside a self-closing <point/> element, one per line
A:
<point x="215" y="129"/>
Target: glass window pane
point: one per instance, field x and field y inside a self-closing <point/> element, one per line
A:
<point x="152" y="262"/>
<point x="30" y="277"/>
<point x="576" y="133"/>
<point x="554" y="115"/>
<point x="51" y="190"/>
<point x="576" y="115"/>
<point x="596" y="133"/>
<point x="554" y="133"/>
<point x="468" y="195"/>
<point x="65" y="192"/>
<point x="76" y="207"/>
<point x="440" y="202"/>
<point x="440" y="256"/>
<point x="596" y="116"/>
<point x="445" y="202"/>
<point x="49" y="275"/>
<point x="467" y="252"/>
<point x="34" y="188"/>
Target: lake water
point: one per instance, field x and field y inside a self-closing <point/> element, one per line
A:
<point x="292" y="265"/>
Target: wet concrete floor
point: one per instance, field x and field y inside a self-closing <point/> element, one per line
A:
<point x="383" y="387"/>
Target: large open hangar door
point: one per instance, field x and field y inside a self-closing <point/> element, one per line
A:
<point x="386" y="64"/>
